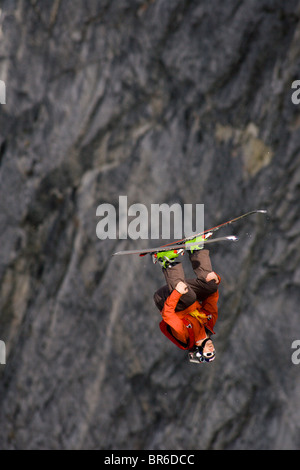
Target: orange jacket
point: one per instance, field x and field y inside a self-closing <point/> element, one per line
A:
<point x="176" y="322"/>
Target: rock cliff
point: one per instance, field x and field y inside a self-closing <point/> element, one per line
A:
<point x="178" y="101"/>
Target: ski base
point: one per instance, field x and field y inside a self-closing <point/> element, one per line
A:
<point x="177" y="246"/>
<point x="180" y="244"/>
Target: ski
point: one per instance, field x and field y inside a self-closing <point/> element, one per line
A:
<point x="217" y="227"/>
<point x="175" y="246"/>
<point x="178" y="244"/>
<point x="213" y="229"/>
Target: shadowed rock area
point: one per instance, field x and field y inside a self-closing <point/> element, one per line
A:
<point x="162" y="101"/>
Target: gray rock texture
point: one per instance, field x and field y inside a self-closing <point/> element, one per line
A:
<point x="179" y="101"/>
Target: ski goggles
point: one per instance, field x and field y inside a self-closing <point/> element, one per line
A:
<point x="209" y="354"/>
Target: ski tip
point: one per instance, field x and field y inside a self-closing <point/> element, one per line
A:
<point x="262" y="211"/>
<point x="232" y="238"/>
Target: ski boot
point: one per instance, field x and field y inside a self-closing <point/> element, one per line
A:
<point x="166" y="259"/>
<point x="199" y="239"/>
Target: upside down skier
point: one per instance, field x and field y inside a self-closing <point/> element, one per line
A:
<point x="189" y="306"/>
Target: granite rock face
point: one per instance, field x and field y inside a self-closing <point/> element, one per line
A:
<point x="164" y="102"/>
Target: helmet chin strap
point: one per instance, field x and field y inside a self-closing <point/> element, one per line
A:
<point x="202" y="345"/>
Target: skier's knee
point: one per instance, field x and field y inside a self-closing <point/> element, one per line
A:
<point x="214" y="286"/>
<point x="158" y="301"/>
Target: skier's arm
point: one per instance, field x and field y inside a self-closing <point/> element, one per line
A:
<point x="169" y="314"/>
<point x="210" y="306"/>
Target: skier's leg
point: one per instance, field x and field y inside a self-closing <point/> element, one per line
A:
<point x="201" y="263"/>
<point x="202" y="267"/>
<point x="173" y="275"/>
<point x="161" y="296"/>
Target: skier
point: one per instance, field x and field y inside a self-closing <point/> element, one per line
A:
<point x="189" y="306"/>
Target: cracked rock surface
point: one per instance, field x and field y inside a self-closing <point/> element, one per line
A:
<point x="178" y="101"/>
